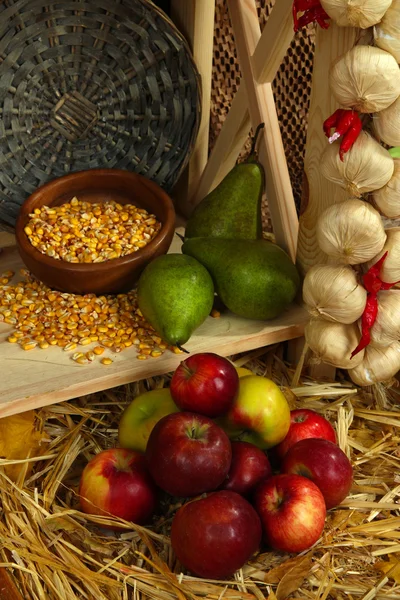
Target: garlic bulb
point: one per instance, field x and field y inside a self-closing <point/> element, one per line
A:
<point x="386" y="328"/>
<point x="366" y="167"/>
<point x="356" y="13"/>
<point x="387" y="124"/>
<point x="391" y="267"/>
<point x="350" y="232"/>
<point x="387" y="32"/>
<point x="379" y="364"/>
<point x="387" y="199"/>
<point x="366" y="79"/>
<point x="333" y="343"/>
<point x="333" y="293"/>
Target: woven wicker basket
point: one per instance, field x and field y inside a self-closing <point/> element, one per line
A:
<point x="92" y="84"/>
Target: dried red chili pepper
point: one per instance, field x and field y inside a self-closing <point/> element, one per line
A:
<point x="348" y="126"/>
<point x="312" y="10"/>
<point x="373" y="284"/>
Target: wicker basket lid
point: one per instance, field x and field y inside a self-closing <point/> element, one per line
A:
<point x="101" y="83"/>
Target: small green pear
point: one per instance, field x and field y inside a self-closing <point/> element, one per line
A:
<point x="175" y="295"/>
<point x="233" y="209"/>
<point x="255" y="279"/>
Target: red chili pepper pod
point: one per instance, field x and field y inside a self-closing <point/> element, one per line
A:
<point x="332" y="121"/>
<point x="371" y="279"/>
<point x="350" y="137"/>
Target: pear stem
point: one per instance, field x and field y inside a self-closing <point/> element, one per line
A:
<point x="255" y="138"/>
<point x="180" y="236"/>
<point x="182" y="349"/>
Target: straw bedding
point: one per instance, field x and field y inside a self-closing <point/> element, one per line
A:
<point x="52" y="551"/>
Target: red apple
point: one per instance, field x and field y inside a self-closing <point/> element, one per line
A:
<point x="292" y="512"/>
<point x="188" y="454"/>
<point x="305" y="423"/>
<point x="116" y="482"/>
<point x="205" y="383"/>
<point x="249" y="466"/>
<point x="325" y="464"/>
<point x="215" y="536"/>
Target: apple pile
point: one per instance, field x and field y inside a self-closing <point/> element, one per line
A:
<point x="205" y="440"/>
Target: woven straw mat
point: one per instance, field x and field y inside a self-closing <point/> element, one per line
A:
<point x="292" y="88"/>
<point x="92" y="84"/>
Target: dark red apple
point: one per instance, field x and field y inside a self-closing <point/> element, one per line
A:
<point x="292" y="512"/>
<point x="325" y="464"/>
<point x="188" y="454"/>
<point x="205" y="383"/>
<point x="305" y="423"/>
<point x="215" y="536"/>
<point x="249" y="466"/>
<point x="116" y="482"/>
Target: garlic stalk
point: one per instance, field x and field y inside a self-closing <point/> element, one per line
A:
<point x="378" y="365"/>
<point x="333" y="343"/>
<point x="387" y="124"/>
<point x="351" y="232"/>
<point x="366" y="167"/>
<point x="356" y="13"/>
<point x="366" y="79"/>
<point x="387" y="199"/>
<point x="390" y="272"/>
<point x="386" y="328"/>
<point x="333" y="293"/>
<point x="387" y="32"/>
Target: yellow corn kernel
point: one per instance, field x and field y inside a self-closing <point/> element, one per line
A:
<point x="8" y="274"/>
<point x="52" y="341"/>
<point x="70" y="346"/>
<point x="215" y="313"/>
<point x="142" y="357"/>
<point x="28" y="230"/>
<point x="106" y="361"/>
<point x="176" y="350"/>
<point x="43" y="345"/>
<point x="29" y="345"/>
<point x="90" y="356"/>
<point x="94" y="338"/>
<point x="85" y="341"/>
<point x="127" y="343"/>
<point x="12" y="339"/>
<point x="98" y="350"/>
<point x="77" y="355"/>
<point x="156" y="353"/>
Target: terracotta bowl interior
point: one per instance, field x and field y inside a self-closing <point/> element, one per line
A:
<point x="97" y="185"/>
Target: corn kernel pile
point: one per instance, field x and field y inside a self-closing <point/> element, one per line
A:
<point x="81" y="232"/>
<point x="42" y="318"/>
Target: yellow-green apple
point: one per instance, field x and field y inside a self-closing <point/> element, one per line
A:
<point x="215" y="536"/>
<point x="305" y="423"/>
<point x="292" y="512"/>
<point x="139" y="418"/>
<point x="116" y="482"/>
<point x="188" y="454"/>
<point x="260" y="413"/>
<point x="205" y="383"/>
<point x="325" y="464"/>
<point x="249" y="466"/>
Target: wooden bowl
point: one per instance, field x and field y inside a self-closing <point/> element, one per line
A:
<point x="97" y="185"/>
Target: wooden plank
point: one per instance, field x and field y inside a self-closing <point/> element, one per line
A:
<point x="195" y="19"/>
<point x="262" y="109"/>
<point x="230" y="142"/>
<point x="274" y="42"/>
<point x="319" y="193"/>
<point x="41" y="377"/>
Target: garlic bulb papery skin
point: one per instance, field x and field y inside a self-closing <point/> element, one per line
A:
<point x="366" y="167"/>
<point x="387" y="32"/>
<point x="356" y="13"/>
<point x="387" y="199"/>
<point x="387" y="124"/>
<point x="351" y="232"/>
<point x="333" y="293"/>
<point x="366" y="79"/>
<point x="378" y="365"/>
<point x="386" y="328"/>
<point x="333" y="343"/>
<point x="390" y="272"/>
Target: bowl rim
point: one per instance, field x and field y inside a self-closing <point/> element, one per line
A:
<point x="142" y="253"/>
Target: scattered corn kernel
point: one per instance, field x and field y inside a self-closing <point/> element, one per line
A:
<point x="215" y="313"/>
<point x="12" y="339"/>
<point x="98" y="350"/>
<point x="29" y="346"/>
<point x="70" y="346"/>
<point x="43" y="345"/>
<point x="82" y="360"/>
<point x="106" y="361"/>
<point x="77" y="355"/>
<point x="85" y="341"/>
<point x="90" y="356"/>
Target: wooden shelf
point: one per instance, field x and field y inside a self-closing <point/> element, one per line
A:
<point x="40" y="377"/>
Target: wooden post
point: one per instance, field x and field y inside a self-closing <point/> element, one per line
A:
<point x="195" y="19"/>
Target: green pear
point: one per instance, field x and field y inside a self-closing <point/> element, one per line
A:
<point x="175" y="295"/>
<point x="255" y="279"/>
<point x="233" y="209"/>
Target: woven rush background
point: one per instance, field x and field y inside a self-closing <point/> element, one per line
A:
<point x="292" y="88"/>
<point x="86" y="84"/>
